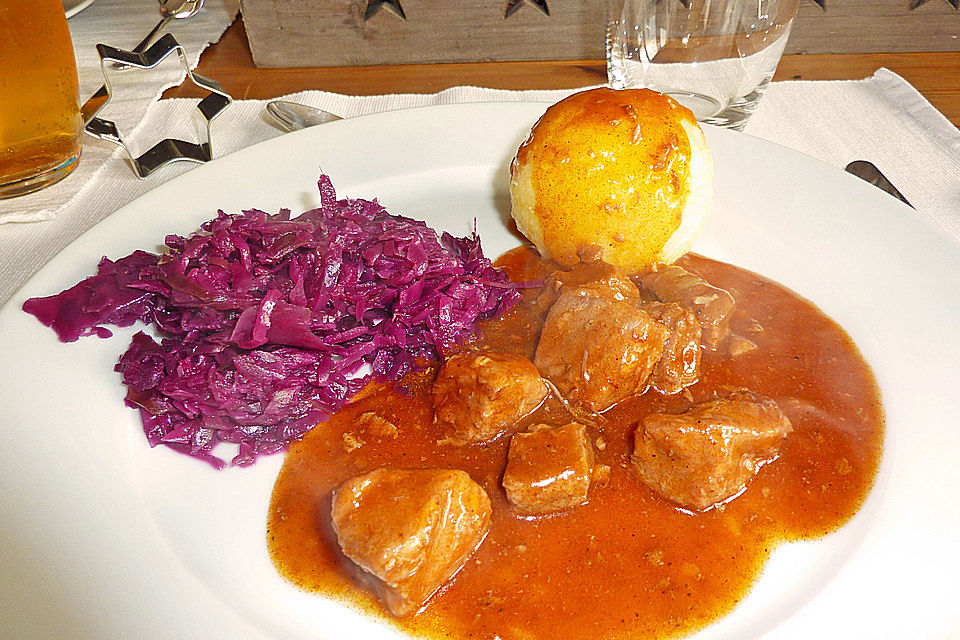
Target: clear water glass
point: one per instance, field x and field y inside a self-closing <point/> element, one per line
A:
<point x="716" y="57"/>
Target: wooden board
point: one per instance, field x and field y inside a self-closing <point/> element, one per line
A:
<point x="875" y="26"/>
<point x="319" y="33"/>
<point x="292" y="33"/>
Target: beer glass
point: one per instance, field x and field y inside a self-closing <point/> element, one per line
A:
<point x="40" y="127"/>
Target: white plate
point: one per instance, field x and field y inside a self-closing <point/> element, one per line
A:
<point x="73" y="7"/>
<point x="103" y="537"/>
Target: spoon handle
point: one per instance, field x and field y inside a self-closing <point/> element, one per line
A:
<point x="140" y="48"/>
<point x="145" y="43"/>
<point x="292" y="116"/>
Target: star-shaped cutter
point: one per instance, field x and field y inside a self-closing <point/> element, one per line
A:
<point x="168" y="150"/>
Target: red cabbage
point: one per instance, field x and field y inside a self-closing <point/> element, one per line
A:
<point x="269" y="324"/>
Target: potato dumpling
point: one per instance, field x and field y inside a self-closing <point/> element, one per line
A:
<point x="627" y="171"/>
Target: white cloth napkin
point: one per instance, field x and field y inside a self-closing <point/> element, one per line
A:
<point x="881" y="119"/>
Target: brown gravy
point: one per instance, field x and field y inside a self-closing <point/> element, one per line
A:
<point x="627" y="564"/>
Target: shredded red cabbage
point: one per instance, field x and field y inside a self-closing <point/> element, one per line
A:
<point x="269" y="324"/>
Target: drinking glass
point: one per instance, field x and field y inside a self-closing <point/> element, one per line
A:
<point x="40" y="127"/>
<point x="715" y="57"/>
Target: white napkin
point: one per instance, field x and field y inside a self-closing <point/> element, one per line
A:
<point x="122" y="24"/>
<point x="881" y="119"/>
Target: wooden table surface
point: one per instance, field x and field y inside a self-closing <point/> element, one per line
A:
<point x="935" y="75"/>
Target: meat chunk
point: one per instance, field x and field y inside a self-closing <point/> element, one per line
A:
<point x="598" y="351"/>
<point x="479" y="396"/>
<point x="713" y="306"/>
<point x="549" y="468"/>
<point x="708" y="454"/>
<point x="596" y="278"/>
<point x="679" y="365"/>
<point x="411" y="529"/>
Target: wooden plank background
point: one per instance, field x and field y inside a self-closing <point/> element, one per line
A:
<point x="875" y="26"/>
<point x="320" y="33"/>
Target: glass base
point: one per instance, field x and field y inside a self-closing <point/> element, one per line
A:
<point x="23" y="186"/>
<point x="701" y="105"/>
<point x="733" y="115"/>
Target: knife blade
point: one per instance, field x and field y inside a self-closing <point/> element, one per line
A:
<point x="866" y="170"/>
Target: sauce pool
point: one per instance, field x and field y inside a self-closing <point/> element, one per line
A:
<point x="628" y="564"/>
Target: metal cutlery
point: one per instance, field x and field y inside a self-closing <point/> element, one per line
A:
<point x="169" y="10"/>
<point x="869" y="172"/>
<point x="292" y="116"/>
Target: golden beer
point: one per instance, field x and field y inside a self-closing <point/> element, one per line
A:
<point x="40" y="125"/>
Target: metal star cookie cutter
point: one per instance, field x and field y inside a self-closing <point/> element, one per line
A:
<point x="168" y="150"/>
